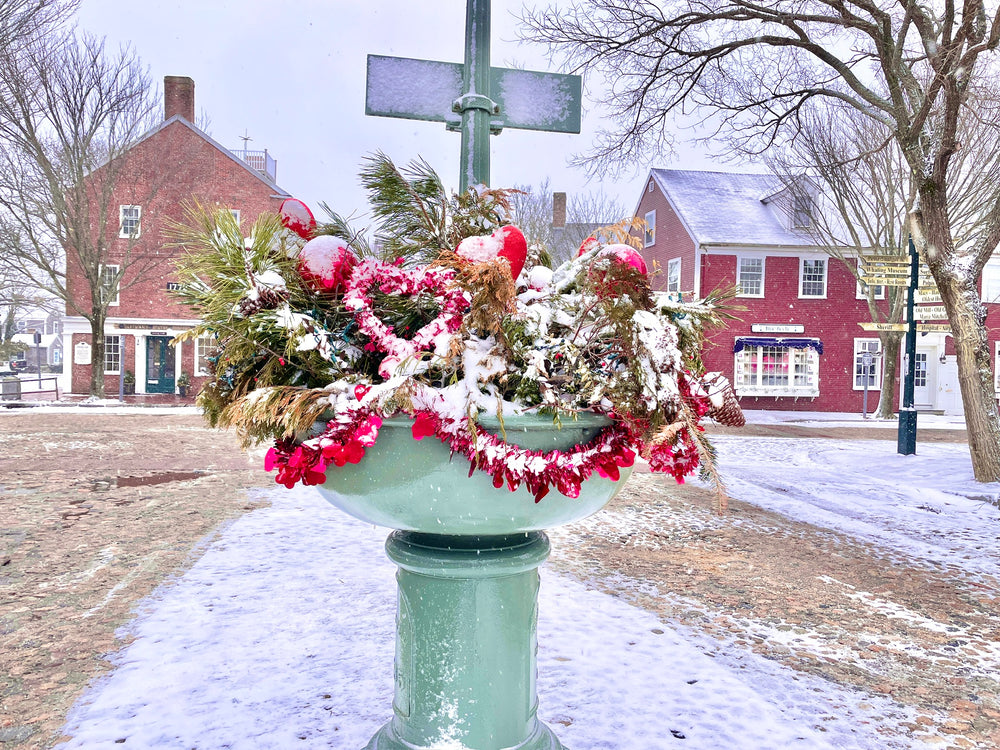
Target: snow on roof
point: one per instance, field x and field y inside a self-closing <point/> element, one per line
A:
<point x="727" y="208"/>
<point x="29" y="338"/>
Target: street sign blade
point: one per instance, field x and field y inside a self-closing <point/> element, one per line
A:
<point x="426" y="90"/>
<point x="530" y="100"/>
<point x="411" y="88"/>
<point x="933" y="328"/>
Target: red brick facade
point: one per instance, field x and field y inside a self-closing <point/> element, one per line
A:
<point x="709" y="262"/>
<point x="170" y="168"/>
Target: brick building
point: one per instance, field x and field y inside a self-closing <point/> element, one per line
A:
<point x="172" y="165"/>
<point x="798" y="345"/>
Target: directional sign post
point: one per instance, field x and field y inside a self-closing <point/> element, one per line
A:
<point x="473" y="98"/>
<point x="906" y="438"/>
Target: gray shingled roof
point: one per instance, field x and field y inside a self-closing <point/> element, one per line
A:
<point x="722" y="208"/>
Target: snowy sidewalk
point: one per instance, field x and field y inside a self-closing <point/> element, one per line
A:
<point x="281" y="636"/>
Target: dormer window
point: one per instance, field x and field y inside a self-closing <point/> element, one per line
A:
<point x="802" y="211"/>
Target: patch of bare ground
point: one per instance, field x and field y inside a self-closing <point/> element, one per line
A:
<point x="97" y="511"/>
<point x="814" y="600"/>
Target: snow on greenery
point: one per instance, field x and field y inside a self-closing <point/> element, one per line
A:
<point x="314" y="352"/>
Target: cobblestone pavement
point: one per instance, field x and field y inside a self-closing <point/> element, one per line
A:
<point x="98" y="509"/>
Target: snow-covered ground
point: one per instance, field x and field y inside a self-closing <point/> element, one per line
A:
<point x="281" y="635"/>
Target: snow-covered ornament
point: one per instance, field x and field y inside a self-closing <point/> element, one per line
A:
<point x="539" y="278"/>
<point x="325" y="263"/>
<point x="297" y="217"/>
<point x="506" y="242"/>
<point x="626" y="254"/>
<point x="587" y="245"/>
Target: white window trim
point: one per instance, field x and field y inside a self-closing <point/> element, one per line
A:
<point x="121" y="346"/>
<point x="826" y="277"/>
<point x="236" y="215"/>
<point x="118" y="287"/>
<point x="200" y="373"/>
<point x="810" y="390"/>
<point x="763" y="266"/>
<point x="649" y="235"/>
<point x="121" y="222"/>
<point x="670" y="264"/>
<point x="877" y="364"/>
<point x="996" y="368"/>
<point x="992" y="268"/>
<point x="859" y="292"/>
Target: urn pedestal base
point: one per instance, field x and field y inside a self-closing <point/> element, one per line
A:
<point x="466" y="643"/>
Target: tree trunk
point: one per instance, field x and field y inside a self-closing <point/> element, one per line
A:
<point x="890" y="364"/>
<point x="957" y="284"/>
<point x="975" y="375"/>
<point x="97" y="354"/>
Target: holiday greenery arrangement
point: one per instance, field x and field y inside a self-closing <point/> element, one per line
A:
<point x="449" y="315"/>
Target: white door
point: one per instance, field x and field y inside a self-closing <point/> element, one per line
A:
<point x="923" y="379"/>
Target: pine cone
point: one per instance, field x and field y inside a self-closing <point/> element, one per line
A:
<point x="267" y="299"/>
<point x="729" y="412"/>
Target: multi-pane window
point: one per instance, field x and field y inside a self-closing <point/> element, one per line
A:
<point x="109" y="284"/>
<point x="674" y="275"/>
<point x="112" y="354"/>
<point x="777" y="371"/>
<point x="750" y="277"/>
<point x="130" y="221"/>
<point x="649" y="234"/>
<point x="867" y="363"/>
<point x="802" y="208"/>
<point x="236" y="215"/>
<point x="920" y="370"/>
<point x="812" y="277"/>
<point x="205" y="349"/>
<point x="991" y="282"/>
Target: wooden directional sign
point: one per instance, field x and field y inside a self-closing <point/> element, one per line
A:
<point x="921" y="327"/>
<point x="903" y="259"/>
<point x="934" y="312"/>
<point x="883" y="326"/>
<point x="896" y="281"/>
<point x="428" y="90"/>
<point x="927" y="296"/>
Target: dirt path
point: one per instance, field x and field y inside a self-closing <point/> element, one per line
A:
<point x="98" y="509"/>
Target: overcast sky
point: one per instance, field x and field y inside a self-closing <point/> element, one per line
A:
<point x="291" y="75"/>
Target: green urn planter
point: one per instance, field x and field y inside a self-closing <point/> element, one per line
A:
<point x="468" y="557"/>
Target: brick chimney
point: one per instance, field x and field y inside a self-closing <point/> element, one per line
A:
<point x="559" y="209"/>
<point x="178" y="97"/>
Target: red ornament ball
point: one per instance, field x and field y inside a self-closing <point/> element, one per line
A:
<point x="325" y="263"/>
<point x="515" y="248"/>
<point x="297" y="217"/>
<point x="506" y="242"/>
<point x="627" y="254"/>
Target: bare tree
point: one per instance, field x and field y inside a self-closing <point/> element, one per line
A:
<point x="753" y="68"/>
<point x="69" y="112"/>
<point x="532" y="211"/>
<point x="846" y="166"/>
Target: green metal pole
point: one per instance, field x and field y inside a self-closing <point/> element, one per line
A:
<point x="906" y="438"/>
<point x="466" y="641"/>
<point x="476" y="105"/>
